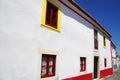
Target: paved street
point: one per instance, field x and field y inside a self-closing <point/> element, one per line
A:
<point x="115" y="76"/>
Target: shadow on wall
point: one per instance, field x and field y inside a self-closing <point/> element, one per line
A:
<point x="70" y="13"/>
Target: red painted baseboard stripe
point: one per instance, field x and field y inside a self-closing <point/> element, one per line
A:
<point x="103" y="74"/>
<point x="106" y="72"/>
<point x="81" y="77"/>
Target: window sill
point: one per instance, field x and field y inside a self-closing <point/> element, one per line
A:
<point x="82" y="70"/>
<point x="104" y="47"/>
<point x="96" y="50"/>
<point x="50" y="27"/>
<point x="50" y="78"/>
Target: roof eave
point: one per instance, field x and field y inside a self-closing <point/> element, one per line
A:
<point x="100" y="27"/>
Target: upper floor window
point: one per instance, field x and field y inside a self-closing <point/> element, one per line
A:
<point x="95" y="39"/>
<point x="104" y="41"/>
<point x="48" y="65"/>
<point x="51" y="15"/>
<point x="82" y="63"/>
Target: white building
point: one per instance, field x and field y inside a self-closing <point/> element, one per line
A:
<point x="51" y="40"/>
<point x="114" y="57"/>
<point x="118" y="61"/>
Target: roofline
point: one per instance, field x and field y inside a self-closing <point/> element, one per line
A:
<point x="78" y="7"/>
<point x="113" y="45"/>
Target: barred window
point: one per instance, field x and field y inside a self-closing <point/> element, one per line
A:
<point x="82" y="63"/>
<point x="48" y="65"/>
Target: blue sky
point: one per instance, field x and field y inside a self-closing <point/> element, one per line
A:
<point x="107" y="13"/>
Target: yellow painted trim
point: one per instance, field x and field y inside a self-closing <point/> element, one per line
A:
<point x="43" y="11"/>
<point x="104" y="41"/>
<point x="44" y="15"/>
<point x="104" y="46"/>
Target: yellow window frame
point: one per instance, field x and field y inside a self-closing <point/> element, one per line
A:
<point x="104" y="41"/>
<point x="44" y="15"/>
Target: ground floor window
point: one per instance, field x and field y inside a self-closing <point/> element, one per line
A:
<point x="82" y="63"/>
<point x="48" y="65"/>
<point x="105" y="62"/>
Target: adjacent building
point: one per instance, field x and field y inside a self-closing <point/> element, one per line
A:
<point x="52" y="40"/>
<point x="114" y="57"/>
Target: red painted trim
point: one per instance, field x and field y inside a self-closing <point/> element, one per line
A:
<point x="51" y="15"/>
<point x="47" y="65"/>
<point x="75" y="12"/>
<point x="81" y="77"/>
<point x="106" y="72"/>
<point x="105" y="32"/>
<point x="83" y="65"/>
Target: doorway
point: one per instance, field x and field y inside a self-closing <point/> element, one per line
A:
<point x="96" y="62"/>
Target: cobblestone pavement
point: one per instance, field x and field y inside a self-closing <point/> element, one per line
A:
<point x="115" y="76"/>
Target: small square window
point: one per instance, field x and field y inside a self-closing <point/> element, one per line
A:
<point x="82" y="63"/>
<point x="48" y="65"/>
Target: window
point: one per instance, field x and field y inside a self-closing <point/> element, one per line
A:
<point x="82" y="64"/>
<point x="95" y="39"/>
<point x="105" y="62"/>
<point x="48" y="65"/>
<point x="104" y="41"/>
<point x="51" y="15"/>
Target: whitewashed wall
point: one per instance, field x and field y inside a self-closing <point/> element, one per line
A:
<point x="22" y="40"/>
<point x="77" y="40"/>
<point x="19" y="39"/>
<point x="104" y="52"/>
<point x="114" y="59"/>
<point x="114" y="55"/>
